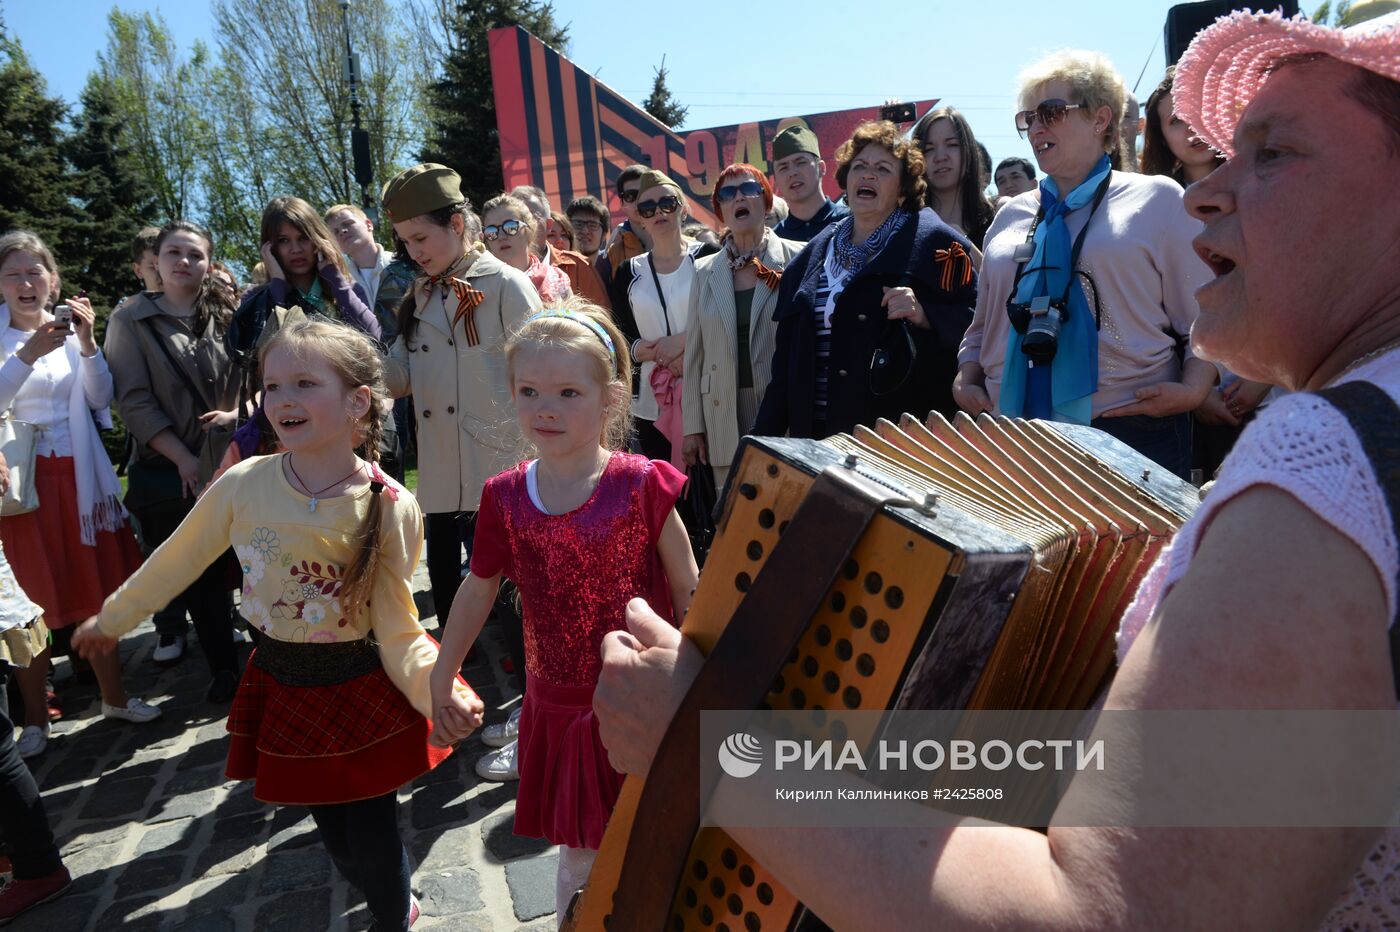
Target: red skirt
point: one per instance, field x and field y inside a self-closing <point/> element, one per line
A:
<point x="68" y="579"/>
<point x="567" y="787"/>
<point x="313" y="745"/>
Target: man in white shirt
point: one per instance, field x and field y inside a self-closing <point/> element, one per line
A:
<point x="355" y="233"/>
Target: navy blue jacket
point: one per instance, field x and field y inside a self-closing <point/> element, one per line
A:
<point x="859" y="327"/>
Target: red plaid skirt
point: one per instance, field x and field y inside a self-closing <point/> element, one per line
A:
<point x="308" y="745"/>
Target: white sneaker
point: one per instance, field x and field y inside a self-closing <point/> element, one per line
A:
<point x="499" y="765"/>
<point x="169" y="649"/>
<point x="502" y="733"/>
<point x="134" y="711"/>
<point x="32" y="741"/>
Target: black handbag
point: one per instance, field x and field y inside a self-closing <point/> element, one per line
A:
<point x="700" y="497"/>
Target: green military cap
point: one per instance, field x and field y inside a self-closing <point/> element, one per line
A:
<point x="796" y="138"/>
<point x="653" y="177"/>
<point x="421" y="189"/>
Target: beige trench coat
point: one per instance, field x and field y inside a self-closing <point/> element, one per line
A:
<point x="709" y="403"/>
<point x="467" y="431"/>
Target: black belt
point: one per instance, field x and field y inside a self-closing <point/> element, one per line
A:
<point x="293" y="663"/>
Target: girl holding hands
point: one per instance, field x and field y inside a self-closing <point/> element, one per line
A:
<point x="581" y="530"/>
<point x="333" y="711"/>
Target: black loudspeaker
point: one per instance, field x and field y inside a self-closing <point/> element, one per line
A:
<point x="359" y="148"/>
<point x="1186" y="19"/>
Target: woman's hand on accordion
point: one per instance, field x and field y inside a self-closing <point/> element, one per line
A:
<point x="647" y="670"/>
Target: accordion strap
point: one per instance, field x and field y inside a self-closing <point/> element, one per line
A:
<point x="737" y="674"/>
<point x="1375" y="418"/>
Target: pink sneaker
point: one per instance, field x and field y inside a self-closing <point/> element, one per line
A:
<point x="18" y="896"/>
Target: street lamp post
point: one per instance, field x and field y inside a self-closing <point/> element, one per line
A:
<point x="359" y="137"/>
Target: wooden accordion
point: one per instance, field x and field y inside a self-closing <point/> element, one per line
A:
<point x="966" y="565"/>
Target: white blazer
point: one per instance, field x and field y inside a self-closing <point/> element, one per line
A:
<point x="710" y="392"/>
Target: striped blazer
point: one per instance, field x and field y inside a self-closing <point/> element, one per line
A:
<point x="710" y="390"/>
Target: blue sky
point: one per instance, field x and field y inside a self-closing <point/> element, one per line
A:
<point x="738" y="61"/>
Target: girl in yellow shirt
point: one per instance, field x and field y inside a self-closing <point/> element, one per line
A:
<point x="334" y="710"/>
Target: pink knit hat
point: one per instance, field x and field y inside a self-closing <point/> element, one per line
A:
<point x="1227" y="64"/>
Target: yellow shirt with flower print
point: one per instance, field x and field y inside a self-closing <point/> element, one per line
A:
<point x="293" y="560"/>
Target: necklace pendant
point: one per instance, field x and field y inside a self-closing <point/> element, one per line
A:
<point x="311" y="505"/>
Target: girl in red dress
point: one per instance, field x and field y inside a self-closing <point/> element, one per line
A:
<point x="581" y="530"/>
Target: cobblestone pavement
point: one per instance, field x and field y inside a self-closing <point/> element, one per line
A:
<point x="158" y="839"/>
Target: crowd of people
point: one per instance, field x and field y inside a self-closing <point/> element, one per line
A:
<point x="561" y="383"/>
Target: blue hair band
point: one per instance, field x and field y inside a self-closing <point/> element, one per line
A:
<point x="587" y="321"/>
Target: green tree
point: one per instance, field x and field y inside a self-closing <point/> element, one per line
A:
<point x="111" y="193"/>
<point x="236" y="182"/>
<point x="158" y="93"/>
<point x="33" y="179"/>
<point x="219" y="134"/>
<point x="1349" y="13"/>
<point x="289" y="95"/>
<point x="460" y="105"/>
<point x="661" y="104"/>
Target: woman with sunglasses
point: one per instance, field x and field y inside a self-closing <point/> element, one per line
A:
<point x="509" y="228"/>
<point x="870" y="313"/>
<point x="1099" y="346"/>
<point x="953" y="169"/>
<point x="730" y="343"/>
<point x="450" y="355"/>
<point x="651" y="302"/>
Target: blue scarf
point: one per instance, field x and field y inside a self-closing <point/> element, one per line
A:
<point x="1062" y="391"/>
<point x="852" y="257"/>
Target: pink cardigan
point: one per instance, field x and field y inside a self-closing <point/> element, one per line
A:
<point x="1138" y="252"/>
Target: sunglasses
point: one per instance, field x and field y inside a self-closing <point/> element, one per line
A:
<point x="587" y="226"/>
<point x="629" y="195"/>
<point x="495" y="232"/>
<point x="744" y="189"/>
<point x="667" y="205"/>
<point x="1048" y="112"/>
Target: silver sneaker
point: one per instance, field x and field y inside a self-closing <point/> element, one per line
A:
<point x="502" y="733"/>
<point x="499" y="766"/>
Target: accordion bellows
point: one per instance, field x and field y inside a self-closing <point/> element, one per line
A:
<point x="992" y="577"/>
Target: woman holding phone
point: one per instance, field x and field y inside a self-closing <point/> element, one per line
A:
<point x="307" y="276"/>
<point x="77" y="547"/>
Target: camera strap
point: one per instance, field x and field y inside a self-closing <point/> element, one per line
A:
<point x="1075" y="250"/>
<point x="661" y="292"/>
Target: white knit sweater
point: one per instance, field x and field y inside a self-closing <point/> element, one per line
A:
<point x="1305" y="446"/>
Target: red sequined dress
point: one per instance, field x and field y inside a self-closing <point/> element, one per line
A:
<point x="576" y="573"/>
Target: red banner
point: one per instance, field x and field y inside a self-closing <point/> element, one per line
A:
<point x="566" y="132"/>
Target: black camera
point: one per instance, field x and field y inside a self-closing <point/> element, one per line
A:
<point x="898" y="113"/>
<point x="1042" y="337"/>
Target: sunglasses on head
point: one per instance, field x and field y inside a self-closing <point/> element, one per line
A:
<point x="629" y="195"/>
<point x="667" y="205"/>
<point x="744" y="189"/>
<point x="496" y="231"/>
<point x="1048" y="112"/>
